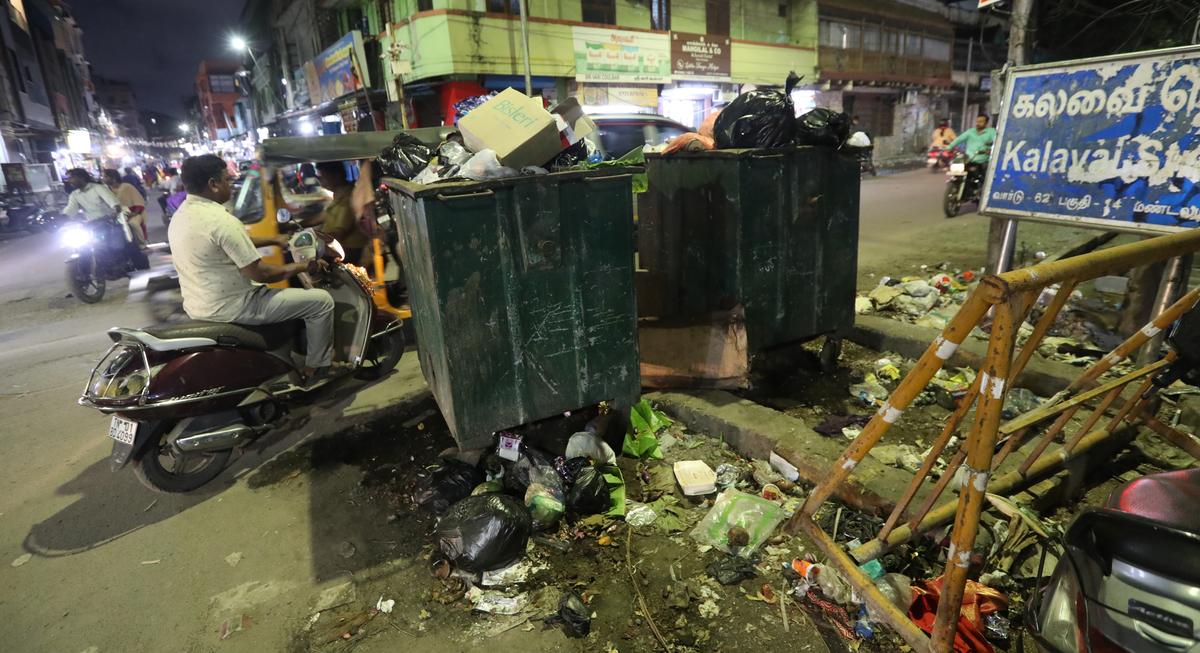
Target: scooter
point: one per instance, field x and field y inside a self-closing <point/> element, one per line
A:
<point x="184" y="396"/>
<point x="1128" y="578"/>
<point x="938" y="158"/>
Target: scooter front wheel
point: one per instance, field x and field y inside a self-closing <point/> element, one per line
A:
<point x="162" y="468"/>
<point x="84" y="280"/>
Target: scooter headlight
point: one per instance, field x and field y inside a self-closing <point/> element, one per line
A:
<point x="75" y="236"/>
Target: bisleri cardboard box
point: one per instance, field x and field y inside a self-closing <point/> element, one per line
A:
<point x="514" y="125"/>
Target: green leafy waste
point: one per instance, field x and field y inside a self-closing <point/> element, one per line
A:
<point x="634" y="158"/>
<point x="646" y="423"/>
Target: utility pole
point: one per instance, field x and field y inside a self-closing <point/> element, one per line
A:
<point x="1002" y="233"/>
<point x="967" y="86"/>
<point x="524" y="8"/>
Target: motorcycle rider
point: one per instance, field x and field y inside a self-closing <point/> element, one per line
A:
<point x="978" y="145"/>
<point x="132" y="202"/>
<point x="94" y="199"/>
<point x="220" y="268"/>
<point x="942" y="136"/>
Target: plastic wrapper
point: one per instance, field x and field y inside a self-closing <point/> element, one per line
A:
<point x="897" y="588"/>
<point x="759" y="119"/>
<point x="484" y="533"/>
<point x="731" y="570"/>
<point x="589" y="495"/>
<point x="405" y="157"/>
<point x="447" y="483"/>
<point x="535" y="475"/>
<point x="581" y="152"/>
<point x="859" y="140"/>
<point x="452" y="153"/>
<point x="573" y="614"/>
<point x="732" y="509"/>
<point x="690" y="142"/>
<point x="484" y="165"/>
<point x="824" y="127"/>
<point x="466" y="105"/>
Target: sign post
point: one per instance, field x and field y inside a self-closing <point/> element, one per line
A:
<point x="1110" y="143"/>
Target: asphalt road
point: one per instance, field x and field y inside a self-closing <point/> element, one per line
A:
<point x="101" y="564"/>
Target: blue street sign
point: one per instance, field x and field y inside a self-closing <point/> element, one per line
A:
<point x="1112" y="143"/>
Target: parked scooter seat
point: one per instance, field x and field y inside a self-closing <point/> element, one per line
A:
<point x="1169" y="497"/>
<point x="265" y="337"/>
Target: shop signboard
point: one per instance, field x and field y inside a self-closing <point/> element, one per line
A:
<point x="338" y="70"/>
<point x="700" y="57"/>
<point x="1111" y="143"/>
<point x="638" y="96"/>
<point x="608" y="55"/>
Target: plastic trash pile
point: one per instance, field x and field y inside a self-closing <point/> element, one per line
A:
<point x="505" y="134"/>
<point x="766" y="119"/>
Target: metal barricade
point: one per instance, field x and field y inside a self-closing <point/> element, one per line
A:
<point x="1010" y="297"/>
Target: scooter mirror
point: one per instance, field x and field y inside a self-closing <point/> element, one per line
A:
<point x="283" y="215"/>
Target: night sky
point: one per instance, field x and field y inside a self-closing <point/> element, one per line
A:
<point x="156" y="45"/>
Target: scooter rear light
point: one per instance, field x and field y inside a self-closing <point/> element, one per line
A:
<point x="124" y="373"/>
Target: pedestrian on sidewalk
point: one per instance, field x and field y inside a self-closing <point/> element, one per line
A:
<point x="132" y="202"/>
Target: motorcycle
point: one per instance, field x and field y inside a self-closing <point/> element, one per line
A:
<point x="964" y="183"/>
<point x="938" y="158"/>
<point x="21" y="213"/>
<point x="184" y="396"/>
<point x="1128" y="575"/>
<point x="101" y="251"/>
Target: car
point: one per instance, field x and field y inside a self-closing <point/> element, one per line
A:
<point x="620" y="133"/>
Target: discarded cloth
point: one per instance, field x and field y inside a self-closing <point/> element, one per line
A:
<point x="978" y="600"/>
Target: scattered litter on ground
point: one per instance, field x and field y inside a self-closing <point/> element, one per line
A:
<point x="756" y="516"/>
<point x="233" y="558"/>
<point x="574" y="615"/>
<point x="22" y="559"/>
<point x="695" y="477"/>
<point x="385" y="606"/>
<point x="731" y="570"/>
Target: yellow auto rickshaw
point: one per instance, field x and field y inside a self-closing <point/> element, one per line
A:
<point x="265" y="203"/>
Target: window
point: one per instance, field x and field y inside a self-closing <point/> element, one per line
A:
<point x="870" y="38"/>
<point x="835" y="34"/>
<point x="937" y="49"/>
<point x="889" y="41"/>
<point x="221" y="84"/>
<point x="782" y="10"/>
<point x="387" y="13"/>
<point x="600" y="11"/>
<point x="660" y="14"/>
<point x="504" y="7"/>
<point x="912" y="45"/>
<point x="424" y="5"/>
<point x="716" y="13"/>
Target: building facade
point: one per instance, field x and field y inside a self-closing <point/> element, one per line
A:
<point x="224" y="114"/>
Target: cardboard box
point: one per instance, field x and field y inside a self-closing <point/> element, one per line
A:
<point x="514" y="125"/>
<point x="578" y="122"/>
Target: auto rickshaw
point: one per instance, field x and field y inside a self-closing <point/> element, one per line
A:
<point x="264" y="204"/>
<point x="265" y="181"/>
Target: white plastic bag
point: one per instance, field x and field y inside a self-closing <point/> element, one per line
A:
<point x="485" y="165"/>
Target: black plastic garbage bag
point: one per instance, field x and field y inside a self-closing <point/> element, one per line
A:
<point x="448" y="483"/>
<point x="405" y="157"/>
<point x="484" y="532"/>
<point x="824" y="127"/>
<point x="758" y="118"/>
<point x="573" y="614"/>
<point x="589" y="495"/>
<point x="534" y="477"/>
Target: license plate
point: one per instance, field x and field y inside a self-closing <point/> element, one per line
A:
<point x="957" y="167"/>
<point x="929" y="161"/>
<point x="123" y="430"/>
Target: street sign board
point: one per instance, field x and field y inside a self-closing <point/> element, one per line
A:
<point x="1112" y="143"/>
<point x="987" y="3"/>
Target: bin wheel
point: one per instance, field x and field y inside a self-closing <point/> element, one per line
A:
<point x="831" y="350"/>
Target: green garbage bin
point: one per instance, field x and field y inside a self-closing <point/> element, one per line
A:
<point x="522" y="295"/>
<point x="775" y="231"/>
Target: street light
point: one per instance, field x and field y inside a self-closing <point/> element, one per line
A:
<point x="184" y="127"/>
<point x="237" y="43"/>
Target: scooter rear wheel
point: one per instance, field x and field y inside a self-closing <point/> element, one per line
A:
<point x="383" y="354"/>
<point x="163" y="469"/>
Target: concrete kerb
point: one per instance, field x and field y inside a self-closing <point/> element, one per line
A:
<point x="755" y="431"/>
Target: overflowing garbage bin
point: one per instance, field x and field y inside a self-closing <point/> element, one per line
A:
<point x="774" y="232"/>
<point x="522" y="294"/>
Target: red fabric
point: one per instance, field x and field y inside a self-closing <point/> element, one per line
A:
<point x="978" y="600"/>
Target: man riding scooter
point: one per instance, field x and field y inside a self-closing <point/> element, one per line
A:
<point x="220" y="267"/>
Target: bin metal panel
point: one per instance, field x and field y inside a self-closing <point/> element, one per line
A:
<point x="773" y="230"/>
<point x="522" y="296"/>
